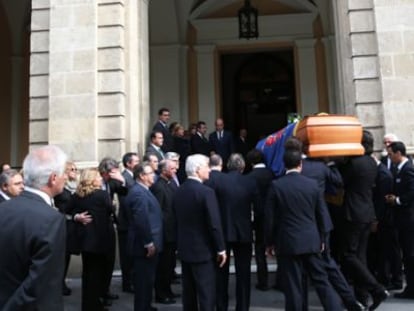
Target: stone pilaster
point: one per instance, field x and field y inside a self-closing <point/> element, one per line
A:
<point x="206" y="78"/>
<point x="358" y="64"/>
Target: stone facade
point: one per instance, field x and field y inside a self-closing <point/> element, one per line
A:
<point x="89" y="73"/>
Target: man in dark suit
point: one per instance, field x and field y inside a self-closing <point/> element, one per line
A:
<point x="144" y="235"/>
<point x="11" y="184"/>
<point x="297" y="227"/>
<point x="402" y="200"/>
<point x="164" y="189"/>
<point x="113" y="182"/>
<point x="155" y="146"/>
<point x="263" y="177"/>
<point x="198" y="142"/>
<point x="32" y="237"/>
<point x="221" y="141"/>
<point x="129" y="160"/>
<point x="236" y="194"/>
<point x="359" y="176"/>
<point x="240" y="144"/>
<point x="162" y="126"/>
<point x="199" y="236"/>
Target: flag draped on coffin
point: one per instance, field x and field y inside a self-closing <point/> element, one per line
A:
<point x="273" y="148"/>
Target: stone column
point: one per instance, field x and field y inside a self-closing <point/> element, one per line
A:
<point x="206" y="78"/>
<point x="307" y="75"/>
<point x="357" y="54"/>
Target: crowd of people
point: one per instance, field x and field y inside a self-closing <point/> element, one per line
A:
<point x="345" y="224"/>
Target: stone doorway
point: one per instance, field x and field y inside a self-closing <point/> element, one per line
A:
<point x="258" y="91"/>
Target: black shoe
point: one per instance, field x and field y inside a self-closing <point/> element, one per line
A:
<point x="153" y="308"/>
<point x="173" y="295"/>
<point x="106" y="302"/>
<point x="378" y="298"/>
<point x="111" y="296"/>
<point x="165" y="300"/>
<point x="66" y="291"/>
<point x="277" y="287"/>
<point x="356" y="306"/>
<point x="395" y="287"/>
<point x="261" y="287"/>
<point x="404" y="295"/>
<point x="128" y="289"/>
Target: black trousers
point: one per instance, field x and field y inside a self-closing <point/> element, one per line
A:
<point x="109" y="264"/>
<point x="242" y="257"/>
<point x="199" y="286"/>
<point x="144" y="282"/>
<point x="354" y="260"/>
<point x="260" y="255"/>
<point x="165" y="270"/>
<point x="93" y="287"/>
<point x="292" y="269"/>
<point x="125" y="260"/>
<point x="407" y="247"/>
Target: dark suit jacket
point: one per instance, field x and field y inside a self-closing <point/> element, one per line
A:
<point x="97" y="236"/>
<point x="124" y="213"/>
<point x="383" y="186"/>
<point x="32" y="240"/>
<point x="200" y="145"/>
<point x="62" y="202"/>
<point x="263" y="177"/>
<point x="168" y="144"/>
<point x="199" y="234"/>
<point x="359" y="175"/>
<point x="324" y="176"/>
<point x="241" y="146"/>
<point x="236" y="194"/>
<point x="2" y="199"/>
<point x="151" y="149"/>
<point x="294" y="215"/>
<point x="224" y="147"/>
<point x="146" y="223"/>
<point x="182" y="147"/>
<point x="164" y="191"/>
<point x="404" y="189"/>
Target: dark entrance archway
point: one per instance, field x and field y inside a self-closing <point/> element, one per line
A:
<point x="258" y="91"/>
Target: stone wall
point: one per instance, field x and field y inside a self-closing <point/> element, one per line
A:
<point x="88" y="89"/>
<point x="395" y="33"/>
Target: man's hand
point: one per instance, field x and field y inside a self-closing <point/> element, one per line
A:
<point x="270" y="251"/>
<point x="221" y="259"/>
<point x="390" y="199"/>
<point x="151" y="250"/>
<point x="84" y="218"/>
<point x="115" y="173"/>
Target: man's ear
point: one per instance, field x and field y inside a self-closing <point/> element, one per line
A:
<point x="52" y="179"/>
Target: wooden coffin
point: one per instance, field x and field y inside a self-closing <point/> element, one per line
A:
<point x="330" y="135"/>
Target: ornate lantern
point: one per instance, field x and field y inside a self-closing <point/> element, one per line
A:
<point x="248" y="21"/>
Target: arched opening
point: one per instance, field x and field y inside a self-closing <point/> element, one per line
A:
<point x="258" y="91"/>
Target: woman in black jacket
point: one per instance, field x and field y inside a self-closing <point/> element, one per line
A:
<point x="96" y="237"/>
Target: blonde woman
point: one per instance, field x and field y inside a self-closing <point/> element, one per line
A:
<point x="96" y="236"/>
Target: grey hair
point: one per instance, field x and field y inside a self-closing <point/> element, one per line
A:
<point x="107" y="164"/>
<point x="172" y="156"/>
<point x="236" y="162"/>
<point x="42" y="162"/>
<point x="6" y="176"/>
<point x="194" y="162"/>
<point x="216" y="160"/>
<point x="165" y="165"/>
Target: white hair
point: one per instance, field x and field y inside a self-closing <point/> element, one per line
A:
<point x="391" y="137"/>
<point x="40" y="163"/>
<point x="194" y="162"/>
